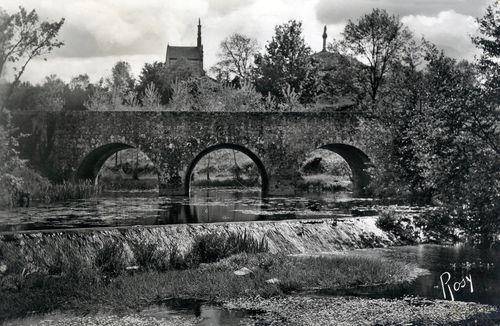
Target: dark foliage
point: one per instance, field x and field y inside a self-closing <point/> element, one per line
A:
<point x="109" y="259"/>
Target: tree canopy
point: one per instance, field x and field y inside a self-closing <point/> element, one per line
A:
<point x="236" y="58"/>
<point x="24" y="37"/>
<point x="286" y="62"/>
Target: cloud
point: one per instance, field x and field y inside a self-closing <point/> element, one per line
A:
<point x="337" y="11"/>
<point x="97" y="33"/>
<point x="224" y="7"/>
<point x="95" y="67"/>
<point x="449" y="30"/>
<point x="125" y="27"/>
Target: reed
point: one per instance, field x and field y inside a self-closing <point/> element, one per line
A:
<point x="67" y="191"/>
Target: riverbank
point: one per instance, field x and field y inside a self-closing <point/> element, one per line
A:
<point x="80" y="287"/>
<point x="303" y="310"/>
<point x="272" y="289"/>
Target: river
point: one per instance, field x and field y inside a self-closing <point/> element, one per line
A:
<point x="481" y="267"/>
<point x="203" y="206"/>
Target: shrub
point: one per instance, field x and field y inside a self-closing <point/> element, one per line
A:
<point x="176" y="259"/>
<point x="387" y="220"/>
<point x="212" y="247"/>
<point x="149" y="257"/>
<point x="109" y="259"/>
<point x="437" y="225"/>
<point x="400" y="226"/>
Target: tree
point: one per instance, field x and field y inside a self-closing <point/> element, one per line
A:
<point x="452" y="134"/>
<point x="488" y="41"/>
<point x="117" y="92"/>
<point x="155" y="73"/>
<point x="99" y="97"/>
<point x="286" y="62"/>
<point x="17" y="180"/>
<point x="22" y="38"/>
<point x="121" y="77"/>
<point x="236" y="58"/>
<point x="22" y="97"/>
<point x="378" y="40"/>
<point x="151" y="98"/>
<point x="51" y="95"/>
<point x="81" y="81"/>
<point x="77" y="92"/>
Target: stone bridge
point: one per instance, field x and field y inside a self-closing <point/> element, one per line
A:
<point x="74" y="145"/>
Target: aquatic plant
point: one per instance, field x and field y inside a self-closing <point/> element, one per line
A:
<point x="67" y="191"/>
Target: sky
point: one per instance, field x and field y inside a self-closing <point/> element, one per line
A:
<point x="98" y="33"/>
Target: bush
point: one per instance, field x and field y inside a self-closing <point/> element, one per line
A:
<point x="176" y="259"/>
<point x="387" y="220"/>
<point x="109" y="259"/>
<point x="212" y="247"/>
<point x="401" y="226"/>
<point x="437" y="225"/>
<point x="148" y="257"/>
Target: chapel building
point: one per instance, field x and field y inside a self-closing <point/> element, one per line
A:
<point x="192" y="55"/>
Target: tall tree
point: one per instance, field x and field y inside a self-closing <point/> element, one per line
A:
<point x="377" y="40"/>
<point x="236" y="58"/>
<point x="488" y="41"/>
<point x="121" y="77"/>
<point x="121" y="83"/>
<point x="77" y="92"/>
<point x="286" y="62"/>
<point x="24" y="37"/>
<point x="51" y="95"/>
<point x="453" y="134"/>
<point x="155" y="73"/>
<point x="81" y="81"/>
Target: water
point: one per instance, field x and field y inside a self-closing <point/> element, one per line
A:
<point x="210" y="205"/>
<point x="204" y="314"/>
<point x="481" y="265"/>
<point x="210" y="314"/>
<point x="204" y="206"/>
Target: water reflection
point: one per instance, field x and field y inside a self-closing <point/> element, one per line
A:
<point x="483" y="265"/>
<point x="204" y="206"/>
<point x="209" y="314"/>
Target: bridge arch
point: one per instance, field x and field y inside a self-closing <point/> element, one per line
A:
<point x="92" y="163"/>
<point x="240" y="148"/>
<point x="358" y="162"/>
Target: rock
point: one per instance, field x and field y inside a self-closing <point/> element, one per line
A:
<point x="273" y="281"/>
<point x="132" y="268"/>
<point x="3" y="268"/>
<point x="243" y="271"/>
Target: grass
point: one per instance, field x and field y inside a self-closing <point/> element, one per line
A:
<point x="89" y="284"/>
<point x="114" y="184"/>
<point x="67" y="191"/>
<point x="226" y="182"/>
<point x="325" y="182"/>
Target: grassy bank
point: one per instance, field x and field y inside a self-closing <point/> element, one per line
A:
<point x="207" y="271"/>
<point x="226" y="182"/>
<point x="325" y="182"/>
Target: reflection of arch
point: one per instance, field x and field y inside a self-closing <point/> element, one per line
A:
<point x="244" y="150"/>
<point x="357" y="160"/>
<point x="92" y="163"/>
